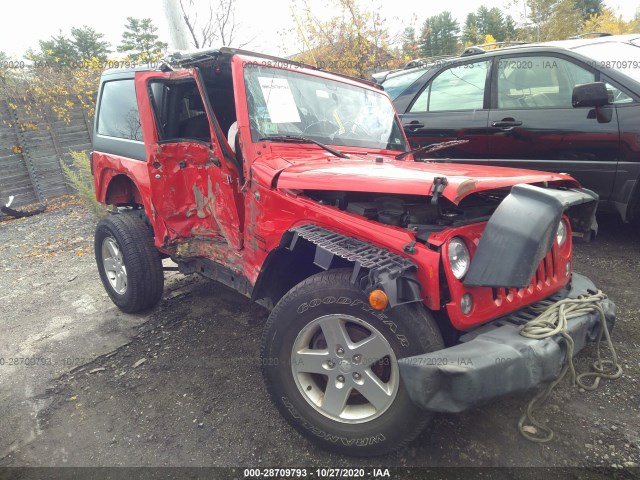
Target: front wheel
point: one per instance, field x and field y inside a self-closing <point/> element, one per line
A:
<point x="330" y="363"/>
<point x="129" y="264"/>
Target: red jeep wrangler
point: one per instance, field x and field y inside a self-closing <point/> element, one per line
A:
<point x="396" y="287"/>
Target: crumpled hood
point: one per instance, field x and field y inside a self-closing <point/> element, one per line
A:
<point x="407" y="177"/>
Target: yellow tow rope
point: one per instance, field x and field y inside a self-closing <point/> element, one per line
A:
<point x="553" y="321"/>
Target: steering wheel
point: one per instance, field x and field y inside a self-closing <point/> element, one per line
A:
<point x="541" y="100"/>
<point x="322" y="127"/>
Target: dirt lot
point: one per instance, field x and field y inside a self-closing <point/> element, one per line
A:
<point x="181" y="386"/>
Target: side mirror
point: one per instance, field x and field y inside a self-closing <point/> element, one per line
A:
<point x="590" y="95"/>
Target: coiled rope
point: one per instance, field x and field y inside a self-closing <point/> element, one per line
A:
<point x="554" y="321"/>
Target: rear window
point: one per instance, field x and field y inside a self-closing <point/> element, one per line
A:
<point x="396" y="85"/>
<point x="118" y="115"/>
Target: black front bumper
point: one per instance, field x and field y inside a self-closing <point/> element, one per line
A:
<point x="495" y="360"/>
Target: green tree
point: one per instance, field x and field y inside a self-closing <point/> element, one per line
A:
<point x="409" y="43"/>
<point x="510" y="29"/>
<point x="484" y="21"/>
<point x="140" y="42"/>
<point x="471" y="34"/>
<point x="89" y="44"/>
<point x="84" y="44"/>
<point x="58" y="51"/>
<point x="439" y="35"/>
<point x="565" y="22"/>
<point x="552" y="19"/>
<point x="4" y="69"/>
<point x="495" y="23"/>
<point x="4" y="57"/>
<point x="488" y="21"/>
<point x="587" y="8"/>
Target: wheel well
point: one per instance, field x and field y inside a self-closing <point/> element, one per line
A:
<point x="633" y="212"/>
<point x="627" y="201"/>
<point x="284" y="269"/>
<point x="122" y="192"/>
<point x="308" y="249"/>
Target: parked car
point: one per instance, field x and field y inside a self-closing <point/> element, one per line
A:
<point x="294" y="187"/>
<point x="379" y="77"/>
<point x="514" y="106"/>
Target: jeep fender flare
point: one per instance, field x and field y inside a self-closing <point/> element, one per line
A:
<point x="122" y="189"/>
<point x="118" y="188"/>
<point x="373" y="267"/>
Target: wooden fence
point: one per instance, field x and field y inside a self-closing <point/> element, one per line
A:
<point x="30" y="155"/>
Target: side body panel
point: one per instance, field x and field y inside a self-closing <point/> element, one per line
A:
<point x="192" y="184"/>
<point x="625" y="196"/>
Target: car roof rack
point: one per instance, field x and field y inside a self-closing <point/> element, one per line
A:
<point x="591" y="34"/>
<point x="428" y="60"/>
<point x="469" y="51"/>
<point x="480" y="49"/>
<point x="421" y="59"/>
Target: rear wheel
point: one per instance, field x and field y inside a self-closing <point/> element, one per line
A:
<point x="331" y="365"/>
<point x="129" y="264"/>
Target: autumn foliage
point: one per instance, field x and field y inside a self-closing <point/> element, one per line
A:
<point x="609" y="22"/>
<point x="353" y="41"/>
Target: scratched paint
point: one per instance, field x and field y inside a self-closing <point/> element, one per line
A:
<point x="204" y="204"/>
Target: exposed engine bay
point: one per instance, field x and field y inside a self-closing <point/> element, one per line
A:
<point x="419" y="213"/>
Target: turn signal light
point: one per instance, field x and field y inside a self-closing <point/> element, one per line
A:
<point x="378" y="299"/>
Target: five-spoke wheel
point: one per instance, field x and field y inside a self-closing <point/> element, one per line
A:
<point x="114" y="266"/>
<point x="129" y="263"/>
<point x="345" y="368"/>
<point x="330" y="363"/>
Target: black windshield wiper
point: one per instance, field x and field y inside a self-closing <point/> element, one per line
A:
<point x="297" y="139"/>
<point x="434" y="147"/>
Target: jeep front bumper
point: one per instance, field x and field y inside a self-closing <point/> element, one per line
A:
<point x="495" y="360"/>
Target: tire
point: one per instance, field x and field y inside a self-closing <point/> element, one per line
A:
<point x="367" y="410"/>
<point x="129" y="264"/>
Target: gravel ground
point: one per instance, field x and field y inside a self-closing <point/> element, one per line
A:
<point x="181" y="386"/>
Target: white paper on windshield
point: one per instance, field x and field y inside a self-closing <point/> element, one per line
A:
<point x="280" y="102"/>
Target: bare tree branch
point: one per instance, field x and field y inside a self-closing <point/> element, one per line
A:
<point x="190" y="23"/>
<point x="220" y="27"/>
<point x="208" y="34"/>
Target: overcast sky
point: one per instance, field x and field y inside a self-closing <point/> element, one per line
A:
<point x="27" y="21"/>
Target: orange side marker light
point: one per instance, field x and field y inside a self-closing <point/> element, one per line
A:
<point x="378" y="299"/>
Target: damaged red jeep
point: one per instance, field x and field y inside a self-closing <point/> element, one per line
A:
<point x="396" y="288"/>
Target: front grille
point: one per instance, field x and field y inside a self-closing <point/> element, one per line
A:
<point x="546" y="275"/>
<point x="517" y="318"/>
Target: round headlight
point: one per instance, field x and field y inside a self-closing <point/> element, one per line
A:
<point x="561" y="233"/>
<point x="459" y="257"/>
